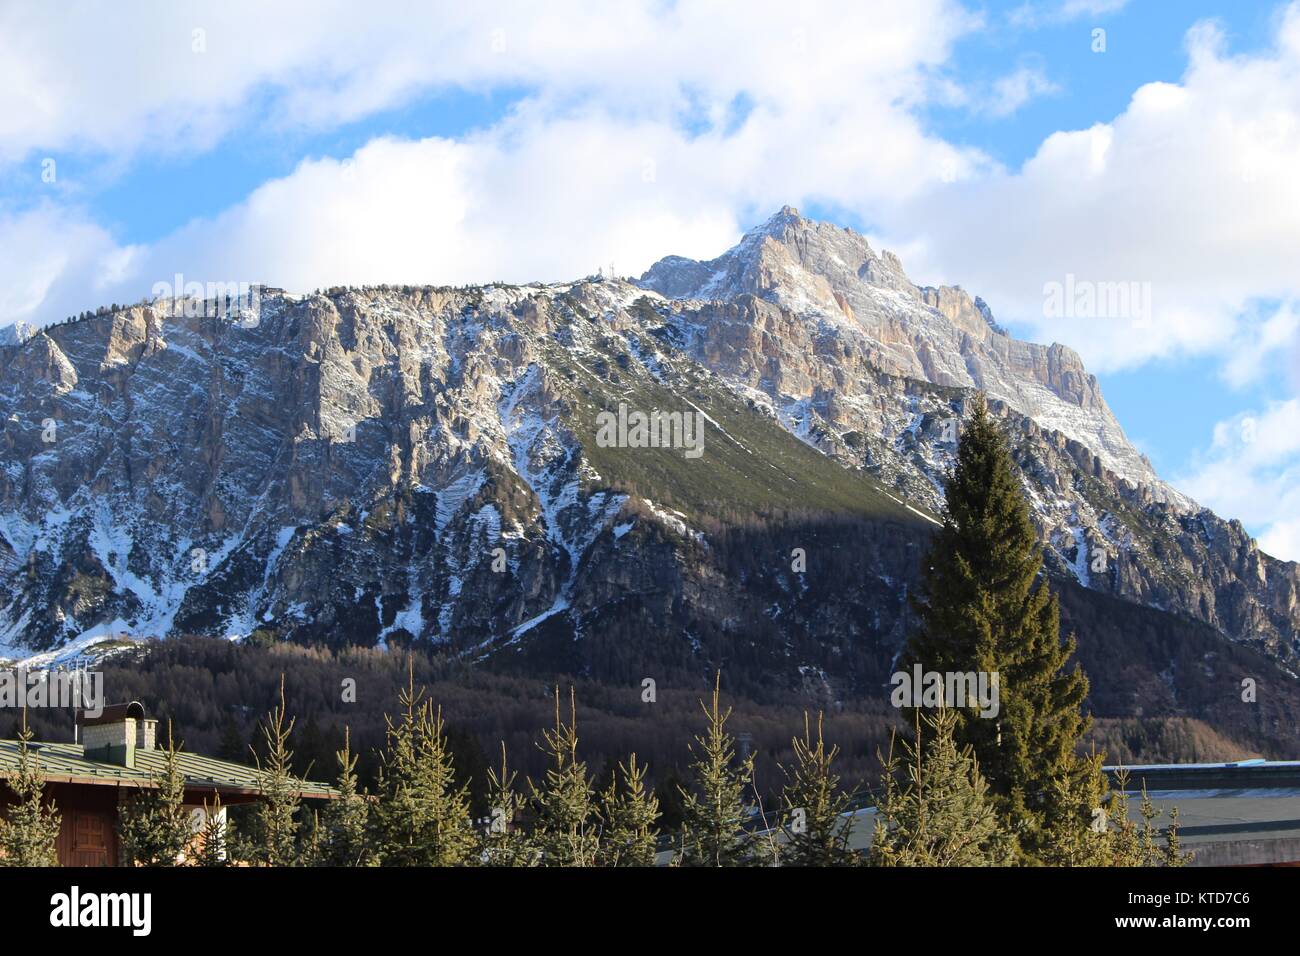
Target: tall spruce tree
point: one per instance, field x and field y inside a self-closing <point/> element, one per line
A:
<point x="29" y="831"/>
<point x="503" y="841"/>
<point x="567" y="831"/>
<point x="154" y="824"/>
<point x="935" y="808"/>
<point x="274" y="833"/>
<point x="422" y="817"/>
<point x="629" y="810"/>
<point x="345" y="842"/>
<point x="982" y="607"/>
<point x="715" y="813"/>
<point x="817" y="832"/>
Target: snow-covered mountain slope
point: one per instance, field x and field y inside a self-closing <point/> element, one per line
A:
<point x="388" y="465"/>
<point x="344" y="471"/>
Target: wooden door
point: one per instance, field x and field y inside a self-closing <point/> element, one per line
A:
<point x="90" y="838"/>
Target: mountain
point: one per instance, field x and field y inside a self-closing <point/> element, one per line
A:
<point x="16" y="334"/>
<point x="835" y="341"/>
<point x="870" y="314"/>
<point x="421" y="465"/>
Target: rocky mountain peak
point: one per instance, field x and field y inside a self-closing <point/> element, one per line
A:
<point x="17" y="333"/>
<point x="830" y="275"/>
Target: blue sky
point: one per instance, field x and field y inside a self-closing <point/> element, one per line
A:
<point x="990" y="144"/>
<point x="1145" y="42"/>
<point x="1164" y="405"/>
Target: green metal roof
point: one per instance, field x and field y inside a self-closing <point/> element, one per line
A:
<point x="65" y="763"/>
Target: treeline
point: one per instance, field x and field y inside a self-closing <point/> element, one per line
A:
<point x="331" y="292"/>
<point x="935" y="808"/>
<point x="1131" y="741"/>
<point x="99" y="311"/>
<point x="214" y="694"/>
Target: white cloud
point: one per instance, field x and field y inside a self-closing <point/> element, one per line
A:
<point x="1252" y="471"/>
<point x="1282" y="539"/>
<point x="442" y="211"/>
<point x="1016" y="89"/>
<point x="1191" y="192"/>
<point x="536" y="197"/>
<point x="595" y="165"/>
<point x="137" y="77"/>
<point x="1261" y="343"/>
<point x="54" y="255"/>
<point x="1033" y="15"/>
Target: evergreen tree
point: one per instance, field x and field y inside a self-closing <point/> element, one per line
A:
<point x="274" y="837"/>
<point x="982" y="608"/>
<point x="30" y="831"/>
<point x="311" y="748"/>
<point x="345" y="842"/>
<point x="154" y="824"/>
<point x="504" y="842"/>
<point x="566" y="830"/>
<point x="1074" y="831"/>
<point x="311" y="842"/>
<point x="232" y="746"/>
<point x="669" y="790"/>
<point x="816" y="829"/>
<point x="629" y="810"/>
<point x="1172" y="853"/>
<point x="1128" y="843"/>
<point x="422" y="818"/>
<point x="940" y="812"/>
<point x="213" y="836"/>
<point x="715" y="813"/>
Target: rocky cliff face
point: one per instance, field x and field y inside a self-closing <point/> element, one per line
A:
<point x="423" y="465"/>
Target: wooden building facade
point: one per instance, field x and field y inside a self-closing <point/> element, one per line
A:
<point x="89" y="782"/>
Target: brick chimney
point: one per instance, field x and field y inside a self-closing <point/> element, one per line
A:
<point x="114" y="735"/>
<point x="146" y="734"/>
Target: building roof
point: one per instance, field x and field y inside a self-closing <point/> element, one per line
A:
<point x="65" y="763"/>
<point x="1281" y="776"/>
<point x="1249" y="764"/>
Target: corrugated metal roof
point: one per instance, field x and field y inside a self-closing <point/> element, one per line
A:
<point x="65" y="763"/>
